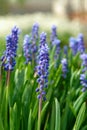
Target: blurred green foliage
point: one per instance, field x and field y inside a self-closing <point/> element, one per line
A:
<point x="64" y="37"/>
<point x="4" y="7"/>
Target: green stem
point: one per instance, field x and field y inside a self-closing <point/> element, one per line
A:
<point x="39" y="113"/>
<point x="1" y="88"/>
<point x="8" y="78"/>
<point x="0" y="74"/>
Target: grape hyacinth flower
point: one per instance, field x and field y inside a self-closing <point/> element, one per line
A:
<point x="42" y="72"/>
<point x="83" y="76"/>
<point x="0" y="73"/>
<point x="35" y="29"/>
<point x="65" y="49"/>
<point x="27" y="49"/>
<point x="53" y="33"/>
<point x="43" y="65"/>
<point x="84" y="61"/>
<point x="80" y="40"/>
<point x="73" y="45"/>
<point x="64" y="67"/>
<point x="83" y="81"/>
<point x="56" y="43"/>
<point x="8" y="59"/>
<point x="34" y="37"/>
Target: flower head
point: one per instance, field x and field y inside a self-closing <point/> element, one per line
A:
<point x="53" y="33"/>
<point x="56" y="43"/>
<point x="73" y="45"/>
<point x="84" y="59"/>
<point x="35" y="29"/>
<point x="27" y="48"/>
<point x="8" y="59"/>
<point x="43" y="65"/>
<point x="83" y="76"/>
<point x="80" y="40"/>
<point x="34" y="37"/>
<point x="64" y="67"/>
<point x="65" y="49"/>
<point x="83" y="81"/>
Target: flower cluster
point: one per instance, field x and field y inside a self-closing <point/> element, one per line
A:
<point x="65" y="50"/>
<point x="53" y="33"/>
<point x="80" y="40"/>
<point x="35" y="29"/>
<point x="83" y="77"/>
<point x="64" y="67"/>
<point x="73" y="45"/>
<point x="83" y="81"/>
<point x="56" y="43"/>
<point x="43" y="65"/>
<point x="77" y="44"/>
<point x="27" y="49"/>
<point x="8" y="59"/>
<point x="84" y="60"/>
<point x="34" y="37"/>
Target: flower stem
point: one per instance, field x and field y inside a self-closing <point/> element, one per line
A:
<point x="0" y="75"/>
<point x="39" y="113"/>
<point x="8" y="78"/>
<point x="1" y="71"/>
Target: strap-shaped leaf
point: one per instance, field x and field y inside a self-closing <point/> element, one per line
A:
<point x="57" y="115"/>
<point x="79" y="101"/>
<point x="1" y="124"/>
<point x="14" y="118"/>
<point x="29" y="120"/>
<point x="52" y="119"/>
<point x="80" y="117"/>
<point x="44" y="110"/>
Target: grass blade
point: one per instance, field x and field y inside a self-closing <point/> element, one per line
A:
<point x="57" y="115"/>
<point x="29" y="120"/>
<point x="80" y="117"/>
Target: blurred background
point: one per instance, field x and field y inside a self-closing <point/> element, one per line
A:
<point x="70" y="16"/>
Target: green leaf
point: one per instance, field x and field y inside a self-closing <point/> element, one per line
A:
<point x="19" y="85"/>
<point x="1" y="124"/>
<point x="26" y="103"/>
<point x="26" y="96"/>
<point x="79" y="101"/>
<point x="44" y="110"/>
<point x="73" y="74"/>
<point x="14" y="119"/>
<point x="35" y="110"/>
<point x="75" y="58"/>
<point x="46" y="122"/>
<point x="49" y="93"/>
<point x="84" y="128"/>
<point x="19" y="77"/>
<point x="57" y="115"/>
<point x="4" y="108"/>
<point x="57" y="76"/>
<point x="80" y="117"/>
<point x="52" y="119"/>
<point x="30" y="120"/>
<point x="65" y="118"/>
<point x="52" y="54"/>
<point x="28" y="71"/>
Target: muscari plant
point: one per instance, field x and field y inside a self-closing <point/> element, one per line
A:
<point x="8" y="58"/>
<point x="36" y="93"/>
